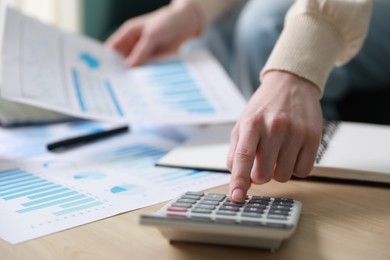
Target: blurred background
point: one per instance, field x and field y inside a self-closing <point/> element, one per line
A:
<point x="95" y="18"/>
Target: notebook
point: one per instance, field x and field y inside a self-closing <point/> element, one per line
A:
<point x="349" y="150"/>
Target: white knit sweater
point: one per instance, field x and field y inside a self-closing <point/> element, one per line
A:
<point x="318" y="34"/>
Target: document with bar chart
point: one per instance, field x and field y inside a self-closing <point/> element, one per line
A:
<point x="76" y="75"/>
<point x="44" y="193"/>
<point x="48" y="193"/>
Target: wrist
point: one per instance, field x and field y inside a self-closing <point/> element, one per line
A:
<point x="292" y="80"/>
<point x="192" y="13"/>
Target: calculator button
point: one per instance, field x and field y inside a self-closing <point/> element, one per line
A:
<point x="206" y="206"/>
<point x="291" y="201"/>
<point x="181" y="205"/>
<point x="215" y="197"/>
<point x="226" y="212"/>
<point x="228" y="203"/>
<point x="232" y="208"/>
<point x="278" y="217"/>
<point x="253" y="201"/>
<point x="201" y="210"/>
<point x="282" y="203"/>
<point x="261" y="198"/>
<point x="280" y="207"/>
<point x="195" y="193"/>
<point x="194" y="197"/>
<point x="262" y="202"/>
<point x="191" y="201"/>
<point x="252" y="214"/>
<point x="177" y="209"/>
<point x="257" y="205"/>
<point x="278" y="212"/>
<point x="246" y="198"/>
<point x="253" y="209"/>
<point x="209" y="202"/>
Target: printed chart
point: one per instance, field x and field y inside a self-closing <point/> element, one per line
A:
<point x="76" y="75"/>
<point x="54" y="192"/>
<point x="18" y="185"/>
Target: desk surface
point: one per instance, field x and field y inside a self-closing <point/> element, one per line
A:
<point x="338" y="221"/>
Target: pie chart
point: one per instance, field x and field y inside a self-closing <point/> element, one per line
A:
<point x="127" y="189"/>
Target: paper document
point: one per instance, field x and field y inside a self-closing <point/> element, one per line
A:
<point x="76" y="75"/>
<point x="52" y="192"/>
<point x="354" y="151"/>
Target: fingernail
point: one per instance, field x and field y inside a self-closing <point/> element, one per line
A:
<point x="238" y="195"/>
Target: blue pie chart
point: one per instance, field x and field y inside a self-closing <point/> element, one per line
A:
<point x="91" y="61"/>
<point x="127" y="189"/>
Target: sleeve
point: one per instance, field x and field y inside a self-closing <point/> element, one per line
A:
<point x="210" y="10"/>
<point x="319" y="34"/>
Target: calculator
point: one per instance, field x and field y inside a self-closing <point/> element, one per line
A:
<point x="211" y="218"/>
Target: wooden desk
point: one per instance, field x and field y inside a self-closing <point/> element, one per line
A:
<point x="339" y="221"/>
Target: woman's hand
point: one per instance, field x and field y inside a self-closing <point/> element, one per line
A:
<point x="145" y="37"/>
<point x="277" y="135"/>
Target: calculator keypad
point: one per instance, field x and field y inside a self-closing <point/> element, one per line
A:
<point x="215" y="207"/>
<point x="258" y="222"/>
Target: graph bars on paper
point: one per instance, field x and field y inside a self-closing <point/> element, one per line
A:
<point x="32" y="193"/>
<point x="175" y="87"/>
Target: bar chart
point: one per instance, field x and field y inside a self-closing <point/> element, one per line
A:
<point x="136" y="156"/>
<point x="137" y="161"/>
<point x="174" y="86"/>
<point x="33" y="193"/>
<point x="95" y="94"/>
<point x="59" y="191"/>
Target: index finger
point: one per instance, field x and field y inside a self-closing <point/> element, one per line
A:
<point x="243" y="160"/>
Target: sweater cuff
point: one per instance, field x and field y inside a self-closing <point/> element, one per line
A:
<point x="308" y="47"/>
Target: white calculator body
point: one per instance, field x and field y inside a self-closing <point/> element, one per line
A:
<point x="260" y="222"/>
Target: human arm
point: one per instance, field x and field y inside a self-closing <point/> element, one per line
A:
<point x="278" y="134"/>
<point x="318" y="35"/>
